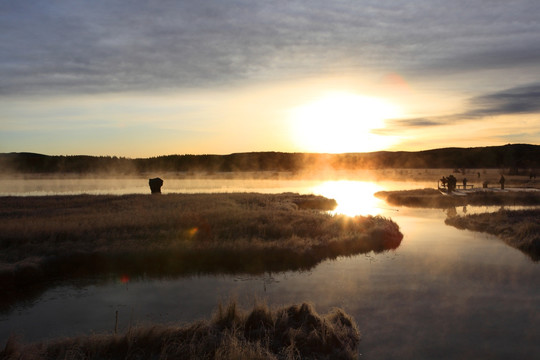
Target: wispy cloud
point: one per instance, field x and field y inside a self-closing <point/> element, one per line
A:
<point x="518" y="100"/>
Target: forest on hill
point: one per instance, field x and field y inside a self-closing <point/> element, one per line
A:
<point x="513" y="158"/>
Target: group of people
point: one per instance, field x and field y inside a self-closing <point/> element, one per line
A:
<point x="450" y="182"/>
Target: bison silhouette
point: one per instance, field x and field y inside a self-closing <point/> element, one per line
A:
<point x="155" y="185"/>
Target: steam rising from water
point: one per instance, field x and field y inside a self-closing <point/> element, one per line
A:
<point x="354" y="197"/>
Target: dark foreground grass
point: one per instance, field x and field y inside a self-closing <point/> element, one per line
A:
<point x="431" y="198"/>
<point x="520" y="228"/>
<point x="74" y="237"/>
<point x="295" y="332"/>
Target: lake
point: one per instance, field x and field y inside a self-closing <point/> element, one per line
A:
<point x="443" y="293"/>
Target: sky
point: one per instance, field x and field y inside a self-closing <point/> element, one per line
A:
<point x="141" y="78"/>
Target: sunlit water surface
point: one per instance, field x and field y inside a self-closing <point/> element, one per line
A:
<point x="442" y="294"/>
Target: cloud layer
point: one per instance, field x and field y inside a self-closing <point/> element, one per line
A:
<point x="116" y="46"/>
<point x="139" y="78"/>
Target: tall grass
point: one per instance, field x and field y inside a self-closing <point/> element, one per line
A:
<point x="294" y="332"/>
<point x="520" y="228"/>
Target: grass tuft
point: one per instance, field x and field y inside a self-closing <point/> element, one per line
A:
<point x="295" y="332"/>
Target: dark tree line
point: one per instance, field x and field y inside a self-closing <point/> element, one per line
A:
<point x="513" y="158"/>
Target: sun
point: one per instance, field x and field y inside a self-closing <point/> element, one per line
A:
<point x="340" y="122"/>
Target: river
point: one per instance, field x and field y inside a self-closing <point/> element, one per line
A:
<point x="443" y="293"/>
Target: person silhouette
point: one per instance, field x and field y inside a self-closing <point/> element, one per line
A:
<point x="501" y="181"/>
<point x="443" y="182"/>
<point x="452" y="181"/>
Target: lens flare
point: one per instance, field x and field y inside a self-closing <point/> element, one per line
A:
<point x="192" y="232"/>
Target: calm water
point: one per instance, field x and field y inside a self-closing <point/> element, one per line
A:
<point x="444" y="293"/>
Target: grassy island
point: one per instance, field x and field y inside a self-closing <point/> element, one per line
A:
<point x="519" y="228"/>
<point x="432" y="198"/>
<point x="292" y="332"/>
<point x="73" y="237"/>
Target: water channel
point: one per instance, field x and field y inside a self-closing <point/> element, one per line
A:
<point x="443" y="293"/>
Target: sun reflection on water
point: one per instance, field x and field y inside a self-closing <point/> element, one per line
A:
<point x="353" y="197"/>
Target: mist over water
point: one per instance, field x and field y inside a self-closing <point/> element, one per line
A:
<point x="443" y="293"/>
<point x="354" y="197"/>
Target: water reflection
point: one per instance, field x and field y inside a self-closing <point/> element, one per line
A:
<point x="444" y="293"/>
<point x="84" y="268"/>
<point x="353" y="197"/>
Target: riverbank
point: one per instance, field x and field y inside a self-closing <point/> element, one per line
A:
<point x="292" y="332"/>
<point x="432" y="198"/>
<point x="73" y="237"/>
<point x="519" y="228"/>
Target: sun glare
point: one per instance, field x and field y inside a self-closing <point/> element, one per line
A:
<point x="341" y="122"/>
<point x="353" y="197"/>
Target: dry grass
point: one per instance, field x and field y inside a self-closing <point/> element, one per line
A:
<point x="431" y="198"/>
<point x="36" y="226"/>
<point x="72" y="237"/>
<point x="520" y="229"/>
<point x="295" y="332"/>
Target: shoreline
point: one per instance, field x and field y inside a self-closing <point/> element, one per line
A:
<point x="517" y="228"/>
<point x="432" y="198"/>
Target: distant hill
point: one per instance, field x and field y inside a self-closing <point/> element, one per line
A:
<point x="512" y="157"/>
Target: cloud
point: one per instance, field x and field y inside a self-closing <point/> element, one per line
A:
<point x="116" y="46"/>
<point x="518" y="100"/>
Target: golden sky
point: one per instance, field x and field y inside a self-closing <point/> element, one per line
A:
<point x="219" y="77"/>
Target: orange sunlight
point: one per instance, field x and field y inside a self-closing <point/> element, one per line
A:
<point x="340" y="122"/>
<point x="353" y="197"/>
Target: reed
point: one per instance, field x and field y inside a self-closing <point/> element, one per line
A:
<point x="294" y="332"/>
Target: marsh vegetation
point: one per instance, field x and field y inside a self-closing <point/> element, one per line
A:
<point x="72" y="237"/>
<point x="293" y="332"/>
<point x="518" y="228"/>
<point x="431" y="198"/>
